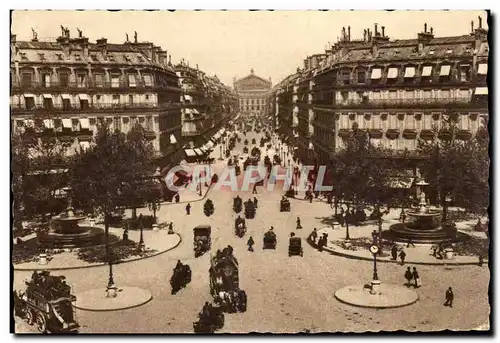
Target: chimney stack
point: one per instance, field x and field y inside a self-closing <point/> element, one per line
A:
<point x="13" y="38"/>
<point x="432" y="31"/>
<point x="169" y="60"/>
<point x="383" y="31"/>
<point x="349" y="33"/>
<point x="364" y="35"/>
<point x="102" y="45"/>
<point x="306" y="63"/>
<point x="425" y="28"/>
<point x="472" y="27"/>
<point x="480" y="22"/>
<point x="376" y="29"/>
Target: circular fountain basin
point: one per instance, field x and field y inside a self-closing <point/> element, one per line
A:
<point x="86" y="237"/>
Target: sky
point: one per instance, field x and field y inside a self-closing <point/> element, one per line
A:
<point x="230" y="43"/>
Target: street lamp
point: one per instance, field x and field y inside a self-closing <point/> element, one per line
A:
<point x="220" y="149"/>
<point x="374" y="249"/>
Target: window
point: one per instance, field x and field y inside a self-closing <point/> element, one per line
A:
<point x="78" y="57"/>
<point x="411" y="144"/>
<point x="130" y="100"/>
<point x="393" y="95"/>
<point x="147" y="96"/>
<point x="410" y="122"/>
<point x="47" y="102"/>
<point x="115" y="81"/>
<point x="361" y="76"/>
<point x="409" y="94"/>
<point x="29" y="102"/>
<point x="345" y="76"/>
<point x="23" y="56"/>
<point x="131" y="80"/>
<point x="64" y="79"/>
<point x="81" y="80"/>
<point x="148" y="80"/>
<point x="360" y="120"/>
<point x="427" y="94"/>
<point x="59" y="57"/>
<point x="464" y="122"/>
<point x="46" y="80"/>
<point x="84" y="104"/>
<point x="464" y="73"/>
<point x="140" y="59"/>
<point x="376" y="95"/>
<point x="463" y="93"/>
<point x="26" y="80"/>
<point x="116" y="99"/>
<point x="93" y="57"/>
<point x="42" y="56"/>
<point x="445" y="94"/>
<point x="344" y="121"/>
<point x="99" y="80"/>
<point x="111" y="58"/>
<point x="344" y="96"/>
<point x="427" y="121"/>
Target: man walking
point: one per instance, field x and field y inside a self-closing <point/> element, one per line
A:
<point x="254" y="191"/>
<point x="449" y="297"/>
<point x="394" y="252"/>
<point x="402" y="256"/>
<point x="298" y="224"/>
<point x="314" y="235"/>
<point x="408" y="277"/>
<point x="416" y="277"/>
<point x="188" y="209"/>
<point x="250" y="244"/>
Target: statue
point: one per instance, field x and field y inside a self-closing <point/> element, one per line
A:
<point x="35" y="35"/>
<point x="135" y="36"/>
<point x="79" y="32"/>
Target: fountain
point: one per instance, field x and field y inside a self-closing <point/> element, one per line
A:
<point x="423" y="226"/>
<point x="64" y="232"/>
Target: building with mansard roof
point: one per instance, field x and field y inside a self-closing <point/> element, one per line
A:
<point x="398" y="91"/>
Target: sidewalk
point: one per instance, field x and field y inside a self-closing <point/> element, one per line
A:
<point x="420" y="254"/>
<point x="156" y="243"/>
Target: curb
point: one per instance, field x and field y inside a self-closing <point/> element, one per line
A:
<point x="374" y="307"/>
<point x="104" y="263"/>
<point x="362" y="258"/>
<point x="169" y="203"/>
<point x="115" y="309"/>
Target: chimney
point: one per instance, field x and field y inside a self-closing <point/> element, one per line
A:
<point x="349" y="33"/>
<point x="376" y="30"/>
<point x="102" y="45"/>
<point x="424" y="38"/>
<point x="13" y="38"/>
<point x="472" y="27"/>
<point x="169" y="60"/>
<point x="306" y="63"/>
<point x="364" y="35"/>
<point x="383" y="31"/>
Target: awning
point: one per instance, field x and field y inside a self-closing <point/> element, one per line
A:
<point x="173" y="140"/>
<point x="188" y="97"/>
<point x="29" y="123"/>
<point x="198" y="152"/>
<point x="47" y="96"/>
<point x="209" y="144"/>
<point x="410" y="72"/>
<point x="427" y="71"/>
<point x="65" y="96"/>
<point x="195" y="111"/>
<point x="83" y="96"/>
<point x="66" y="123"/>
<point x="393" y="73"/>
<point x="29" y="96"/>
<point x="445" y="70"/>
<point x="482" y="69"/>
<point x="223" y="130"/>
<point x="48" y="123"/>
<point x="401" y="182"/>
<point x="84" y="145"/>
<point x="216" y="136"/>
<point x="376" y="74"/>
<point x="188" y="111"/>
<point x="84" y="123"/>
<point x="204" y="149"/>
<point x="481" y="91"/>
<point x="190" y="152"/>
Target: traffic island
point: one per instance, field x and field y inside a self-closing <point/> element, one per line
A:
<point x="102" y="300"/>
<point x="385" y="296"/>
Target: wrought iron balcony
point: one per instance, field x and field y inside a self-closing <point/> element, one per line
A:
<point x="403" y="103"/>
<point x="88" y="84"/>
<point x="100" y="107"/>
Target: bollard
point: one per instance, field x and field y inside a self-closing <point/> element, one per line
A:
<point x="375" y="290"/>
<point x="155" y="227"/>
<point x="42" y="259"/>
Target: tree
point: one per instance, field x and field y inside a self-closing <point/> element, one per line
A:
<point x="362" y="173"/>
<point x="102" y="176"/>
<point x="458" y="168"/>
<point x="39" y="172"/>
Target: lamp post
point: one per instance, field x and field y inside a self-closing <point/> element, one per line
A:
<point x="220" y="149"/>
<point x="346" y="221"/>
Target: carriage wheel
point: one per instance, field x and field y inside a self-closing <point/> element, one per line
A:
<point x="29" y="317"/>
<point x="41" y="323"/>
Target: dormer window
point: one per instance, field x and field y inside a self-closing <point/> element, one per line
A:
<point x="464" y="72"/>
<point x="111" y="58"/>
<point x="127" y="58"/>
<point x="140" y="59"/>
<point x="431" y="52"/>
<point x="59" y="57"/>
<point x="449" y="51"/>
<point x="78" y="57"/>
<point x="94" y="57"/>
<point x="23" y="56"/>
<point x="42" y="56"/>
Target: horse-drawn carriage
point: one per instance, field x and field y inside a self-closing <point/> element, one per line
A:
<point x="270" y="240"/>
<point x="249" y="209"/>
<point x="47" y="302"/>
<point x="245" y="150"/>
<point x="237" y="204"/>
<point x="181" y="277"/>
<point x="240" y="227"/>
<point x="202" y="241"/>
<point x="284" y="205"/>
<point x="295" y="246"/>
<point x="211" y="319"/>
<point x="246" y="140"/>
<point x="224" y="282"/>
<point x="254" y="141"/>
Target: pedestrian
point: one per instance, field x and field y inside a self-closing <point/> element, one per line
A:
<point x="394" y="252"/>
<point x="402" y="256"/>
<point x="255" y="201"/>
<point x="310" y="198"/>
<point x="314" y="235"/>
<point x="408" y="277"/>
<point x="254" y="191"/>
<point x="416" y="277"/>
<point x="298" y="224"/>
<point x="481" y="260"/>
<point x="449" y="296"/>
<point x="177" y="198"/>
<point x="410" y="242"/>
<point x="171" y="228"/>
<point x="250" y="243"/>
<point x="188" y="209"/>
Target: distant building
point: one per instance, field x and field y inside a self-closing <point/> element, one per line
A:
<point x="252" y="93"/>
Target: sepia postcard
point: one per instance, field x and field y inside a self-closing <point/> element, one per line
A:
<point x="234" y="172"/>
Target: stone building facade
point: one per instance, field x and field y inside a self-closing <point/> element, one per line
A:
<point x="252" y="92"/>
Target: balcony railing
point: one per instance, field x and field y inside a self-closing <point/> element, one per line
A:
<point x="120" y="85"/>
<point x="101" y="107"/>
<point x="403" y="103"/>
